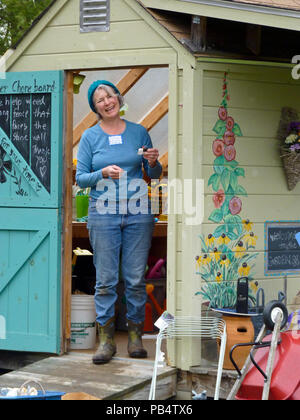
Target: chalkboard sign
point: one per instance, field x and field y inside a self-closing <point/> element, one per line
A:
<point x="20" y="124"/>
<point x="26" y="120"/>
<point x="41" y="137"/>
<point x="282" y="254"/>
<point x="31" y="139"/>
<point x="5" y="113"/>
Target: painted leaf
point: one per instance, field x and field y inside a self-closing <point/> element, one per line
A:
<point x="239" y="172"/>
<point x="224" y="103"/>
<point x="233" y="181"/>
<point x="220" y="127"/>
<point x="219" y="165"/>
<point x="214" y="180"/>
<point x="237" y="130"/>
<point x="216" y="216"/>
<point x="231" y="235"/>
<point x="219" y="231"/>
<point x="225" y="179"/>
<point x="237" y="222"/>
<point x="230" y="193"/>
<point x="225" y="208"/>
<point x="231" y="164"/>
<point x="241" y="191"/>
<point x="234" y="223"/>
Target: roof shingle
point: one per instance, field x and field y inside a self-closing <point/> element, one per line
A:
<point x="283" y="4"/>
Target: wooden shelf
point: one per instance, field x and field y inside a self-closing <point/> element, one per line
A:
<point x="80" y="229"/>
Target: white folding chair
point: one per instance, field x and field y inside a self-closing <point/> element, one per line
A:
<point x="205" y="327"/>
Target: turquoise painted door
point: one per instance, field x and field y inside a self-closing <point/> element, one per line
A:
<point x="30" y="211"/>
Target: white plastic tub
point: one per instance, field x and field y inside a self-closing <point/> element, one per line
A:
<point x="83" y="322"/>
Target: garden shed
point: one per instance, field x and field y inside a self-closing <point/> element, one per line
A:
<point x="228" y="75"/>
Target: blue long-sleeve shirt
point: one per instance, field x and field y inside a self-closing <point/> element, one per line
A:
<point x="98" y="149"/>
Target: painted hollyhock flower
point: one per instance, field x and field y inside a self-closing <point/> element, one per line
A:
<point x="223" y="113"/>
<point x="235" y="205"/>
<point x="218" y="147"/>
<point x="230" y="123"/>
<point x="219" y="198"/>
<point x="229" y="138"/>
<point x="229" y="153"/>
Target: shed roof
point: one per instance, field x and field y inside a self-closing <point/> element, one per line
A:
<point x="165" y="13"/>
<point x="282" y="4"/>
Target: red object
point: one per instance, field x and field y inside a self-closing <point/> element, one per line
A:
<point x="148" y="324"/>
<point x="285" y="384"/>
<point x="156" y="271"/>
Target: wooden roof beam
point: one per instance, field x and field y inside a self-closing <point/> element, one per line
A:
<point x="156" y="113"/>
<point x="124" y="85"/>
<point x="254" y="38"/>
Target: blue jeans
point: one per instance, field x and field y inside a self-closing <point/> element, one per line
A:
<point x="113" y="236"/>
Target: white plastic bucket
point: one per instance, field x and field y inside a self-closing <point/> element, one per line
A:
<point x="83" y="322"/>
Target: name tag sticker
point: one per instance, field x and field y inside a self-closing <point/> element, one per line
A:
<point x="115" y="140"/>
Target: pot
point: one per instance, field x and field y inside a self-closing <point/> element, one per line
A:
<point x="239" y="330"/>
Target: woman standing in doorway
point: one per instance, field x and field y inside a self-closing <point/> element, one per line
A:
<point x="110" y="159"/>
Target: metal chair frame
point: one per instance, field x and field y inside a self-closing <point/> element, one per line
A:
<point x="187" y="326"/>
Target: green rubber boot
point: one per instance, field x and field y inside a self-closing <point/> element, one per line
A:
<point x="135" y="345"/>
<point x="107" y="348"/>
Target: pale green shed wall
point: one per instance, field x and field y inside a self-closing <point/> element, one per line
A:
<point x="257" y="95"/>
<point x="60" y="45"/>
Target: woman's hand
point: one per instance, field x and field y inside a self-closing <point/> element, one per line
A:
<point x="112" y="171"/>
<point x="151" y="155"/>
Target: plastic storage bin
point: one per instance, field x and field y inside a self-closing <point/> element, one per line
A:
<point x="48" y="395"/>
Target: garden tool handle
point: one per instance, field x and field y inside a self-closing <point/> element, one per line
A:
<point x="260" y="293"/>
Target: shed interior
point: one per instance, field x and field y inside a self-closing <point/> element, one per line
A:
<point x="152" y="112"/>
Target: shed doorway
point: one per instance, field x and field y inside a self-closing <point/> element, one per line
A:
<point x="146" y="91"/>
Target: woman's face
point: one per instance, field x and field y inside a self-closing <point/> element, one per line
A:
<point x="106" y="104"/>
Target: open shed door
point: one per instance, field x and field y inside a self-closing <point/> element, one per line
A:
<point x="30" y="211"/>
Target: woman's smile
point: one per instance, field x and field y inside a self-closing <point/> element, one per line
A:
<point x="110" y="108"/>
<point x="106" y="104"/>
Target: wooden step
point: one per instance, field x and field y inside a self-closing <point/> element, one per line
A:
<point x="120" y="379"/>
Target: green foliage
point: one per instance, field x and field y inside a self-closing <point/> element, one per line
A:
<point x="227" y="252"/>
<point x="16" y="16"/>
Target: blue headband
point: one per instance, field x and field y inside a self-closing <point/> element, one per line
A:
<point x="94" y="86"/>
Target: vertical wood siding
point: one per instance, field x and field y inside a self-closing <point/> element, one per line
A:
<point x="256" y="99"/>
<point x="61" y="45"/>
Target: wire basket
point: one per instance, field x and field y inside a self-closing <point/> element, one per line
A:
<point x="291" y="165"/>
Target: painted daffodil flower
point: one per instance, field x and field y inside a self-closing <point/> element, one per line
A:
<point x="250" y="239"/>
<point x="239" y="250"/>
<point x="198" y="262"/>
<point x="219" y="277"/>
<point x="247" y="225"/>
<point x="225" y="261"/>
<point x="206" y="259"/>
<point x="217" y="254"/>
<point x="254" y="286"/>
<point x="244" y="270"/>
<point x="209" y="240"/>
<point x="223" y="239"/>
